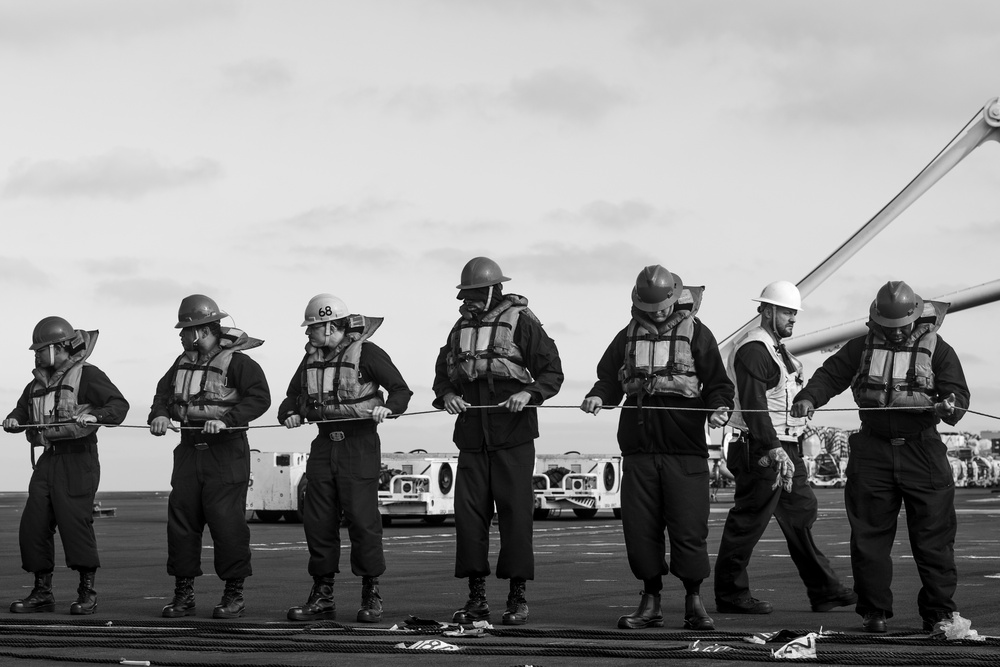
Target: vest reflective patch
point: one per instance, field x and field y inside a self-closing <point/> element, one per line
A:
<point x="780" y="397"/>
<point x="54" y="400"/>
<point x="901" y="377"/>
<point x="333" y="387"/>
<point x="660" y="363"/>
<point x="200" y="391"/>
<point x="485" y="348"/>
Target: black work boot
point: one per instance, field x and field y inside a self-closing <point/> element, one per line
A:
<point x="476" y="608"/>
<point x="231" y="605"/>
<point x="183" y="602"/>
<point x="646" y="615"/>
<point x="695" y="616"/>
<point x="86" y="596"/>
<point x="39" y="599"/>
<point x="517" y="606"/>
<point x="371" y="601"/>
<point x="319" y="606"/>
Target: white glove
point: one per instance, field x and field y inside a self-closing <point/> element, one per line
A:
<point x="777" y="459"/>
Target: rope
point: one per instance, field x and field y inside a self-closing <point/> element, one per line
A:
<point x="534" y="407"/>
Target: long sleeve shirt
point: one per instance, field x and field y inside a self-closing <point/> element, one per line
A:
<point x="374" y="366"/>
<point x="666" y="431"/>
<point x="837" y="372"/>
<point x="498" y="427"/>
<point x="106" y="402"/>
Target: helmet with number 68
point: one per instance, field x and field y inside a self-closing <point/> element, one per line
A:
<point x="324" y="308"/>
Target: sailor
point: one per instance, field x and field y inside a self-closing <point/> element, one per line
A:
<point x="213" y="390"/>
<point x="338" y="385"/>
<point x="73" y="398"/>
<point x="766" y="459"/>
<point x="497" y="363"/>
<point x="664" y="358"/>
<point x="906" y="379"/>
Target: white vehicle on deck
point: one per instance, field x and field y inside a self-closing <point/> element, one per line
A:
<point x="417" y="485"/>
<point x="277" y="485"/>
<point x="578" y="482"/>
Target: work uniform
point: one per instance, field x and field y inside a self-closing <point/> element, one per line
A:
<point x="665" y="477"/>
<point x="898" y="458"/>
<point x="767" y="377"/>
<point x="211" y="472"/>
<point x="345" y="457"/>
<point x="496" y="457"/>
<point x="66" y="476"/>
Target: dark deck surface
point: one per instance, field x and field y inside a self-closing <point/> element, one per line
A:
<point x="583" y="584"/>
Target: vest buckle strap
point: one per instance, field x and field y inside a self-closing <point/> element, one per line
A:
<point x="337" y="436"/>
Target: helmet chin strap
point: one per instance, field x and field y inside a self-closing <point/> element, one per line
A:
<point x="489" y="297"/>
<point x="52" y="354"/>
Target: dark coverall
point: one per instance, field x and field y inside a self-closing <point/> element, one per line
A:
<point x="496" y="458"/>
<point x="64" y="483"/>
<point x="755" y="501"/>
<point x="665" y="463"/>
<point x="208" y="484"/>
<point x="897" y="459"/>
<point x="342" y="474"/>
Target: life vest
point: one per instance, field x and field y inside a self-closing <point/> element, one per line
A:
<point x="484" y="349"/>
<point x="779" y="397"/>
<point x="658" y="357"/>
<point x="900" y="377"/>
<point x="332" y="386"/>
<point x="200" y="390"/>
<point x="54" y="395"/>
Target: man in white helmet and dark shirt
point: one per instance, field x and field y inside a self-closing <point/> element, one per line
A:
<point x="767" y="462"/>
<point x="338" y="385"/>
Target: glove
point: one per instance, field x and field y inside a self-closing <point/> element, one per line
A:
<point x="777" y="459"/>
<point x="945" y="407"/>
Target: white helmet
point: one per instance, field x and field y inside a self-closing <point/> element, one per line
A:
<point x="783" y="294"/>
<point x="324" y="308"/>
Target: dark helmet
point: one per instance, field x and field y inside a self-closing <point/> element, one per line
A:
<point x="196" y="310"/>
<point x="50" y="330"/>
<point x="896" y="305"/>
<point x="656" y="289"/>
<point x="481" y="272"/>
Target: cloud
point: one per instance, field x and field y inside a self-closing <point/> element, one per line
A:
<point x="119" y="174"/>
<point x="326" y="217"/>
<point x="570" y="94"/>
<point x="16" y="271"/>
<point x="116" y="266"/>
<point x="628" y="213"/>
<point x="42" y="23"/>
<point x="352" y="254"/>
<point x="258" y="76"/>
<point x="148" y="292"/>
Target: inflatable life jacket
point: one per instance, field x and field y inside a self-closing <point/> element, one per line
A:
<point x="332" y="386"/>
<point x="200" y="389"/>
<point x="779" y="398"/>
<point x="54" y="395"/>
<point x="484" y="349"/>
<point x="658" y="357"/>
<point x="900" y="377"/>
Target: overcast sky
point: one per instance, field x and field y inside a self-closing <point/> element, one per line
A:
<point x="263" y="152"/>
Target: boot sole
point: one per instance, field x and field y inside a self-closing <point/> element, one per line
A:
<point x="179" y="614"/>
<point x="322" y="616"/>
<point x="369" y="618"/>
<point x="631" y="625"/>
<point x="35" y="610"/>
<point x="465" y="618"/>
<point x="82" y="611"/>
<point x="225" y="614"/>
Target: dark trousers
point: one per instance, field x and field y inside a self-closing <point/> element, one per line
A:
<point x="665" y="492"/>
<point x="881" y="477"/>
<point x="343" y="477"/>
<point x="209" y="486"/>
<point x="754" y="504"/>
<point x="61" y="494"/>
<point x="502" y="477"/>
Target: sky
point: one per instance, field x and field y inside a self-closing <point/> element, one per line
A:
<point x="263" y="152"/>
